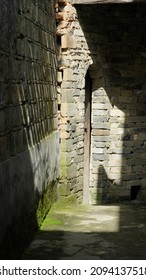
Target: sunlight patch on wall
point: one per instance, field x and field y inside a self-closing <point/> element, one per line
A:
<point x="115" y="151"/>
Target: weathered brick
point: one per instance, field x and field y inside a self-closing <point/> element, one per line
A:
<point x="100" y="132"/>
<point x="68" y="42"/>
<point x="117" y="97"/>
<point x="67" y="96"/>
<point x="101" y="138"/>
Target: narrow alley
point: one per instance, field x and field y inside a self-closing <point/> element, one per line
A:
<point x="72" y="129"/>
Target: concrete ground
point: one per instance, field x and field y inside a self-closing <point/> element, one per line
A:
<point x="91" y="232"/>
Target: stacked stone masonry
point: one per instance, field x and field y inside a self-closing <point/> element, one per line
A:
<point x="28" y="118"/>
<point x="108" y="41"/>
<point x="73" y="62"/>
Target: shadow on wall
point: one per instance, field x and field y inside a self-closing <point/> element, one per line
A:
<point x="102" y="185"/>
<point x="118" y="46"/>
<point x="28" y="124"/>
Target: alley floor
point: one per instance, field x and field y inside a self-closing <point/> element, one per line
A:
<point x="91" y="232"/>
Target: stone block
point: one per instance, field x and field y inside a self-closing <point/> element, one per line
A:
<point x="115" y="150"/>
<point x="125" y="193"/>
<point x="64" y="189"/>
<point x="103" y="99"/>
<point x="78" y="33"/>
<point x="100" y="125"/>
<point x="137" y="168"/>
<point x="101" y="138"/>
<point x="116" y="162"/>
<point x="127" y="151"/>
<point x="100" y="119"/>
<point x="59" y="77"/>
<point x="137" y="119"/>
<point x="125" y="99"/>
<point x="117" y="131"/>
<point x="68" y="74"/>
<point x="142" y="136"/>
<point x="117" y="113"/>
<point x="99" y="157"/>
<point x="117" y="119"/>
<point x="113" y="194"/>
<point x="143" y="194"/>
<point x="67" y="96"/>
<point x="65" y="159"/>
<point x="137" y="143"/>
<point x="134" y="183"/>
<point x="78" y="187"/>
<point x="115" y="176"/>
<point x="96" y="113"/>
<point x="78" y="159"/>
<point x="96" y="196"/>
<point x="116" y="157"/>
<point x="115" y="169"/>
<point x="129" y="176"/>
<point x="100" y="132"/>
<point x="135" y="162"/>
<point x="143" y="182"/>
<point x="97" y="150"/>
<point x="66" y="145"/>
<point x="135" y="137"/>
<point x="72" y="155"/>
<point x="100" y="106"/>
<point x="97" y="144"/>
<point x="64" y="109"/>
<point x="68" y="42"/>
<point x="129" y="143"/>
<point x="80" y="151"/>
<point x="99" y="92"/>
<point x="127" y="169"/>
<point x="68" y="109"/>
<point x="64" y="134"/>
<point x="116" y="125"/>
<point x="77" y="93"/>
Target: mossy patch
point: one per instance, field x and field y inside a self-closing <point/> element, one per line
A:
<point x="65" y="203"/>
<point x="51" y="220"/>
<point x="55" y="216"/>
<point x="45" y="203"/>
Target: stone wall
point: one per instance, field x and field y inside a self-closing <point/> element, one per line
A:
<point x="110" y="42"/>
<point x="73" y="62"/>
<point x="28" y="120"/>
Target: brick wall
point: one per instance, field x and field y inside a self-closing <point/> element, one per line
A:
<point x="28" y="119"/>
<point x="73" y="62"/>
<point x="109" y="41"/>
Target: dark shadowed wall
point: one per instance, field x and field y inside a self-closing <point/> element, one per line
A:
<point x="28" y="120"/>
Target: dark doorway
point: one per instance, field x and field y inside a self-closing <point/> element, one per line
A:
<point x="87" y="137"/>
<point x="134" y="192"/>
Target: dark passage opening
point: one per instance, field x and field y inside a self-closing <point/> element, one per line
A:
<point x="87" y="137"/>
<point x="134" y="192"/>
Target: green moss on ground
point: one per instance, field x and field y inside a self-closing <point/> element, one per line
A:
<point x="57" y="214"/>
<point x="51" y="220"/>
